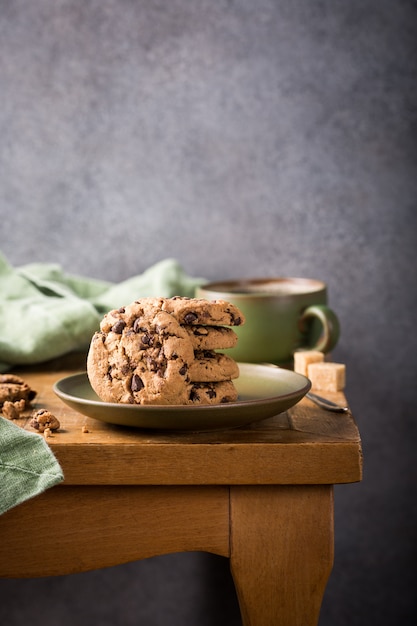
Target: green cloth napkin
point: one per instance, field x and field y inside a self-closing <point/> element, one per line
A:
<point x="45" y="313"/>
<point x="27" y="465"/>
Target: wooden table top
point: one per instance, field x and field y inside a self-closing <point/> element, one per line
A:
<point x="305" y="445"/>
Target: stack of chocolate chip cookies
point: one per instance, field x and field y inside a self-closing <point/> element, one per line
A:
<point x="165" y="351"/>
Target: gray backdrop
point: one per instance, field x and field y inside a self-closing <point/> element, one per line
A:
<point x="244" y="138"/>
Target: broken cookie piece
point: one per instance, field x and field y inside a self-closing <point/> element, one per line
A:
<point x="12" y="410"/>
<point x="13" y="388"/>
<point x="43" y="419"/>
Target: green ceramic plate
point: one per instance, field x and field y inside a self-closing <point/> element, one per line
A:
<point x="263" y="392"/>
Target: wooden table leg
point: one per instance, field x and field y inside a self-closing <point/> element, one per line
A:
<point x="281" y="552"/>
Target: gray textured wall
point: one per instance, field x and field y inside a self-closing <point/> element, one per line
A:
<point x="245" y="139"/>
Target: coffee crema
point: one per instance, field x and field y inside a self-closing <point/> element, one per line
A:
<point x="280" y="287"/>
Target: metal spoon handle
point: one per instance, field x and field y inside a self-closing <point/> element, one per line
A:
<point x="327" y="404"/>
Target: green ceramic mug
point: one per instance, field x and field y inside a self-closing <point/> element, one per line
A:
<point x="282" y="315"/>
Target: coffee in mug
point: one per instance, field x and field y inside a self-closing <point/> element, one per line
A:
<point x="282" y="315"/>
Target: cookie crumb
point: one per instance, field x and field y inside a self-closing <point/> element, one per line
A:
<point x="47" y="433"/>
<point x="12" y="410"/>
<point x="84" y="429"/>
<point x="43" y="419"/>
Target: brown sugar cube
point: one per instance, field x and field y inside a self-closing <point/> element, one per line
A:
<point x="327" y="376"/>
<point x="304" y="358"/>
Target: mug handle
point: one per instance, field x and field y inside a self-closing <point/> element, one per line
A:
<point x="329" y="322"/>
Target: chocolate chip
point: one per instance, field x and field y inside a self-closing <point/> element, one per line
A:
<point x="211" y="393"/>
<point x="194" y="397"/>
<point x="152" y="365"/>
<point x="236" y="321"/>
<point x="137" y="383"/>
<point x="118" y="327"/>
<point x="147" y="339"/>
<point x="190" y="318"/>
<point x="184" y="369"/>
<point x="121" y="310"/>
<point x="137" y="327"/>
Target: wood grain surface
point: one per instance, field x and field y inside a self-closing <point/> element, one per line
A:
<point x="305" y="445"/>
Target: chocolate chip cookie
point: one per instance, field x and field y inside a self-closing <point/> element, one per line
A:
<point x="14" y="388"/>
<point x="187" y="311"/>
<point x="211" y="366"/>
<point x="212" y="393"/>
<point x="140" y="357"/>
<point x="200" y="311"/>
<point x="145" y="353"/>
<point x="211" y="337"/>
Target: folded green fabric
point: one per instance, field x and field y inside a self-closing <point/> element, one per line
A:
<point x="27" y="465"/>
<point x="45" y="313"/>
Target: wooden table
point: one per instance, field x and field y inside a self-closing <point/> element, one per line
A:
<point x="261" y="495"/>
